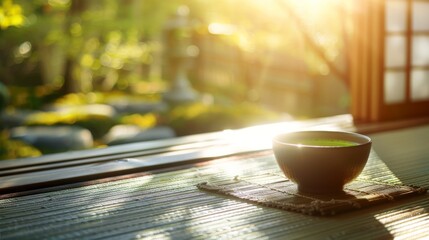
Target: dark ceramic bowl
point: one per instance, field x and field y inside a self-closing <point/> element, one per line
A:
<point x="321" y="162"/>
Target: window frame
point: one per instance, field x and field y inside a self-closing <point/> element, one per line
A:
<point x="368" y="66"/>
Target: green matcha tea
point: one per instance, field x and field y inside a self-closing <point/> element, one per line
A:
<point x="327" y="142"/>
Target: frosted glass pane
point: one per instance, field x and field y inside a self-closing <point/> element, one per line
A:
<point x="395" y="51"/>
<point x="420" y="16"/>
<point x="394" y="87"/>
<point x="396" y="15"/>
<point x="419" y="85"/>
<point x="420" y="50"/>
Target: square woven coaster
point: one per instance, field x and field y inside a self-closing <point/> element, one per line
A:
<point x="273" y="190"/>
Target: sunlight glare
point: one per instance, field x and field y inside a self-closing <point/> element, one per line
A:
<point x="231" y="168"/>
<point x="221" y="29"/>
<point x="259" y="137"/>
<point x="24" y="48"/>
<point x="404" y="223"/>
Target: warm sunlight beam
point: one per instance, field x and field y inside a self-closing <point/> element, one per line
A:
<point x="405" y="223"/>
<point x="377" y="170"/>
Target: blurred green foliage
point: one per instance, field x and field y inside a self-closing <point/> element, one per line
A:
<point x="98" y="125"/>
<point x="10" y="14"/>
<point x="36" y="97"/>
<point x="200" y="118"/>
<point x="142" y="120"/>
<point x="12" y="149"/>
<point x="80" y="45"/>
<point x="76" y="52"/>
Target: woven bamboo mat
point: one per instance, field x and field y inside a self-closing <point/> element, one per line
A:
<point x="276" y="191"/>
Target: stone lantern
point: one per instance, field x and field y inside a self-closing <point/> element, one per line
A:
<point x="179" y="55"/>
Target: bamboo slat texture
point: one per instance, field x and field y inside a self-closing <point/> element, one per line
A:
<point x="166" y="204"/>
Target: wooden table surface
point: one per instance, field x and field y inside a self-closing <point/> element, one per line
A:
<point x="148" y="190"/>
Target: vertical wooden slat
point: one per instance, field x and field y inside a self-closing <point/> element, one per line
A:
<point x="357" y="70"/>
<point x="408" y="52"/>
<point x="355" y="55"/>
<point x="377" y="73"/>
<point x="367" y="62"/>
<point x="363" y="101"/>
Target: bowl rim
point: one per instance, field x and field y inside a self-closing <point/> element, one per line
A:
<point x="276" y="139"/>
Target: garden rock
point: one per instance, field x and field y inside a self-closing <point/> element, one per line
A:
<point x="51" y="139"/>
<point x="89" y="109"/>
<point x="127" y="107"/>
<point x="122" y="134"/>
<point x="15" y="118"/>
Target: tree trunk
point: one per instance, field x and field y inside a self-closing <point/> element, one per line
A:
<point x="70" y="84"/>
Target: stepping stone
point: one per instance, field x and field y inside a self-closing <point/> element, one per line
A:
<point x="121" y="134"/>
<point x="51" y="139"/>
